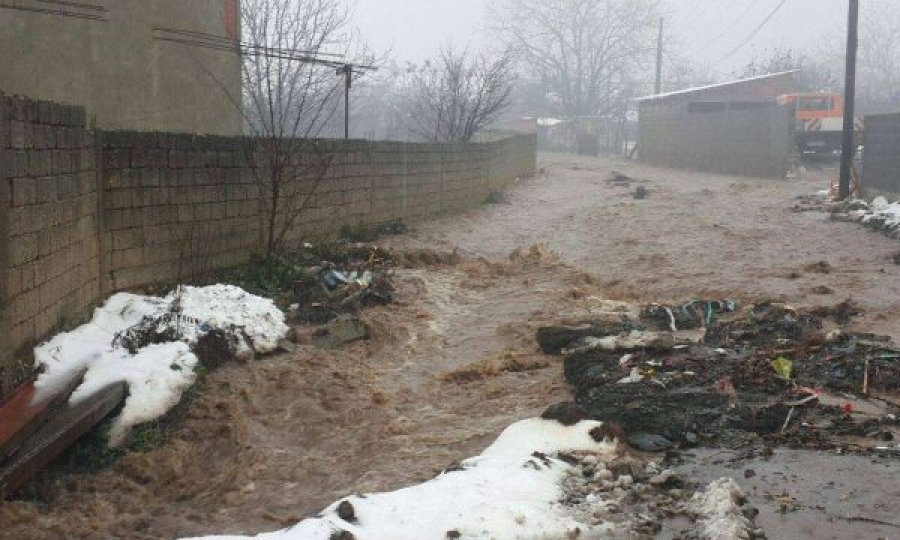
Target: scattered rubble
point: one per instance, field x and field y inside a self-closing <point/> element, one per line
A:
<point x="769" y="373"/>
<point x="617" y="179"/>
<point x="341" y="279"/>
<point x="822" y="290"/>
<point x="344" y="329"/>
<point x="879" y="215"/>
<point x="818" y="202"/>
<point x="820" y="267"/>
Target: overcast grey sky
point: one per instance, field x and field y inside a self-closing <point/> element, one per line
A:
<point x="707" y="29"/>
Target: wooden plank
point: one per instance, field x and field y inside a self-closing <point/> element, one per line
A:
<point x="22" y="414"/>
<point x="57" y="434"/>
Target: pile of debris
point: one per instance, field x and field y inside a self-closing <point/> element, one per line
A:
<point x="341" y="279"/>
<point x="337" y="281"/>
<point x="879" y="215"/>
<point x="707" y="373"/>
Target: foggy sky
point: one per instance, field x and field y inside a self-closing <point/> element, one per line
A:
<point x="706" y="30"/>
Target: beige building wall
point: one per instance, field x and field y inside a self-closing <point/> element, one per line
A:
<point x="122" y="75"/>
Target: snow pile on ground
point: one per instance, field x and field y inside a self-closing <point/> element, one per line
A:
<point x="720" y="514"/>
<point x="879" y="215"/>
<point x="160" y="368"/>
<point x="512" y="490"/>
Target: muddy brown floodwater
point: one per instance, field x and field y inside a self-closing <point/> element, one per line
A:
<point x="451" y="365"/>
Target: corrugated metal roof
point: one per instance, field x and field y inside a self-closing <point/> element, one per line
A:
<point x="717" y="85"/>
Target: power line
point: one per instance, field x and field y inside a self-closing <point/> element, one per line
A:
<point x="56" y="12"/>
<point x="76" y="5"/>
<point x="213" y="42"/>
<point x="754" y="32"/>
<point x="219" y="43"/>
<point x="216" y="39"/>
<point x="729" y="27"/>
<point x="705" y="12"/>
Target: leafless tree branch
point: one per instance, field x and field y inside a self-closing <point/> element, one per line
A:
<point x="460" y="95"/>
<point x="586" y="51"/>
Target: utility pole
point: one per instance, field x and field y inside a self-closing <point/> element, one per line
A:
<point x="848" y="148"/>
<point x="659" y="58"/>
<point x="347" y="71"/>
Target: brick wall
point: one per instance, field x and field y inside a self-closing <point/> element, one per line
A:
<point x="51" y="248"/>
<point x="173" y="206"/>
<point x="881" y="159"/>
<point x="92" y="212"/>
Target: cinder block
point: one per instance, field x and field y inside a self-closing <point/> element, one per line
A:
<point x="40" y="163"/>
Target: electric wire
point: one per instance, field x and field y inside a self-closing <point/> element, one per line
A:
<point x="56" y="12"/>
<point x="755" y="31"/>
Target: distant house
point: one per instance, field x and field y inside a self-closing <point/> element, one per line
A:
<point x="735" y="127"/>
<point x="588" y="135"/>
<point x="107" y="56"/>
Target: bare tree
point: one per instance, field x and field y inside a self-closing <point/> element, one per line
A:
<point x="460" y="95"/>
<point x="289" y="96"/>
<point x="878" y="76"/>
<point x="380" y="108"/>
<point x="681" y="73"/>
<point x="815" y="74"/>
<point x="587" y="51"/>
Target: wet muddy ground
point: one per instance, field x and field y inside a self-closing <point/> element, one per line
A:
<point x="693" y="235"/>
<point x="803" y="494"/>
<point x="455" y="361"/>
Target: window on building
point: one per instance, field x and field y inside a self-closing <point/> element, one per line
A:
<point x="815" y="103"/>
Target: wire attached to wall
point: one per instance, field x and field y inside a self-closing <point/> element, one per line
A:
<point x="62" y="11"/>
<point x="219" y="43"/>
<point x="76" y="5"/>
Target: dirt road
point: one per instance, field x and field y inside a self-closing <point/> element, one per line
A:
<point x="272" y="442"/>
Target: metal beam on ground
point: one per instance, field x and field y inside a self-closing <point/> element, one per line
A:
<point x="56" y="435"/>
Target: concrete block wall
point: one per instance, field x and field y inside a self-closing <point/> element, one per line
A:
<point x="50" y="262"/>
<point x="174" y="206"/>
<point x="87" y="213"/>
<point x="881" y="156"/>
<point x="747" y="139"/>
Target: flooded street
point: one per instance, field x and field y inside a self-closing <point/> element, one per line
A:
<point x="694" y="234"/>
<point x="455" y="361"/>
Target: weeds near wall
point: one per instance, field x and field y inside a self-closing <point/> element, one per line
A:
<point x="194" y="250"/>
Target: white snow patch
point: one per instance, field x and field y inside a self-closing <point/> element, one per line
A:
<point x="222" y="307"/>
<point x="716" y="85"/>
<point x="879" y="215"/>
<point x="157" y="375"/>
<point x="504" y="493"/>
<point x="719" y="511"/>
